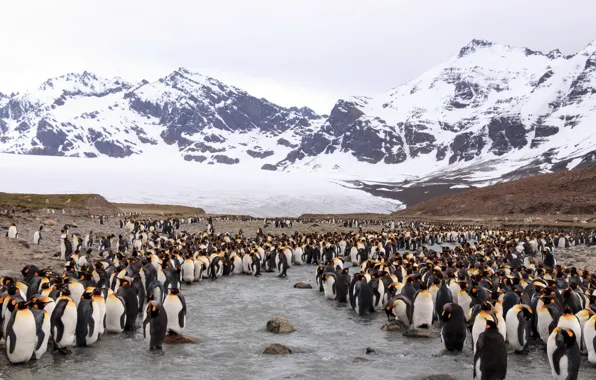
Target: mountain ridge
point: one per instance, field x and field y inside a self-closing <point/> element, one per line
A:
<point x="489" y="113"/>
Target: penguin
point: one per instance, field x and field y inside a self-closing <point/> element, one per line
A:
<point x="88" y="318"/>
<point x="589" y="335"/>
<point x="400" y="307"/>
<point x="480" y="320"/>
<point x="453" y="332"/>
<point x="282" y="264"/>
<point x="422" y="303"/>
<point x="569" y="321"/>
<point x="378" y="288"/>
<point x="21" y="334"/>
<point x="37" y="236"/>
<point x="175" y="307"/>
<point x="563" y="354"/>
<point x="318" y="277"/>
<point x="342" y="286"/>
<point x="444" y="297"/>
<point x="131" y="303"/>
<point x="100" y="301"/>
<point x="64" y="322"/>
<point x="12" y="232"/>
<point x="115" y="319"/>
<point x="43" y="327"/>
<point x="547" y="317"/>
<point x="363" y="296"/>
<point x="155" y="325"/>
<point x="519" y="324"/>
<point x="490" y="356"/>
<point x="329" y="285"/>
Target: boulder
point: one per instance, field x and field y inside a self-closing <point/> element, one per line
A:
<point x="179" y="339"/>
<point x="49" y="222"/>
<point x="360" y="360"/>
<point x="439" y="377"/>
<point x="302" y="285"/>
<point x="370" y="351"/>
<point x="394" y="326"/>
<point x="277" y="349"/>
<point x="280" y="325"/>
<point x="421" y="333"/>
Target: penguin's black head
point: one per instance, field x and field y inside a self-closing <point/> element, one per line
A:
<point x="486" y="306"/>
<point x="87" y="295"/>
<point x="491" y="324"/>
<point x="23" y="305"/>
<point x="565" y="337"/>
<point x="174" y="290"/>
<point x="346" y="270"/>
<point x="154" y="311"/>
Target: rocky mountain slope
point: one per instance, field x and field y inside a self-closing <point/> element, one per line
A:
<point x="490" y="113"/>
<point x="569" y="192"/>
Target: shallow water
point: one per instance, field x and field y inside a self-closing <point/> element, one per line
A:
<point x="228" y="316"/>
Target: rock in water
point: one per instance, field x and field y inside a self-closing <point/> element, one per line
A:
<point x="49" y="222"/>
<point x="360" y="360"/>
<point x="394" y="326"/>
<point x="421" y="333"/>
<point x="179" y="339"/>
<point x="280" y="325"/>
<point x="277" y="349"/>
<point x="440" y="377"/>
<point x="370" y="351"/>
<point x="302" y="285"/>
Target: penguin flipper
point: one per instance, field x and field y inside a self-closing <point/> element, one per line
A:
<point x="10" y="334"/>
<point x="557" y="355"/>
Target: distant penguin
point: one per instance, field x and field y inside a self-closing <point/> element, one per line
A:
<point x="21" y="334"/>
<point x="490" y="357"/>
<point x="37" y="236"/>
<point x="519" y="324"/>
<point x="12" y="232"/>
<point x="64" y="322"/>
<point x="175" y="307"/>
<point x="423" y="308"/>
<point x="131" y="303"/>
<point x="88" y="316"/>
<point x="563" y="354"/>
<point x="115" y="313"/>
<point x="155" y="325"/>
<point x="453" y="332"/>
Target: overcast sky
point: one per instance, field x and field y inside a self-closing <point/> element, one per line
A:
<point x="303" y="52"/>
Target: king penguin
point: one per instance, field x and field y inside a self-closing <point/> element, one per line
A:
<point x="155" y="325"/>
<point x="37" y="236"/>
<point x="563" y="354"/>
<point x="519" y="324"/>
<point x="64" y="322"/>
<point x="21" y="334"/>
<point x="490" y="357"/>
<point x="423" y="308"/>
<point x="88" y="317"/>
<point x="453" y="332"/>
<point x="175" y="307"/>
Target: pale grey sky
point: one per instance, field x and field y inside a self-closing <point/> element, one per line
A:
<point x="293" y="52"/>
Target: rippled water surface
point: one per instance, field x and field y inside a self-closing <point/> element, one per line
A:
<point x="228" y="316"/>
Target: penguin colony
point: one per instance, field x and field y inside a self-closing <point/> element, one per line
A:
<point x="505" y="287"/>
<point x="494" y="288"/>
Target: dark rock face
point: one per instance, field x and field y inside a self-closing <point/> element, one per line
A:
<point x="193" y="157"/>
<point x="286" y="143"/>
<point x="51" y="138"/>
<point x="466" y="146"/>
<point x="256" y="154"/>
<point x="506" y="134"/>
<point x="220" y="158"/>
<point x="269" y="167"/>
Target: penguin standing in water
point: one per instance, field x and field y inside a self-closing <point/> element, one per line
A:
<point x="589" y="335"/>
<point x="175" y="307"/>
<point x="329" y="285"/>
<point x="423" y="308"/>
<point x="342" y="285"/>
<point x="155" y="325"/>
<point x="20" y="334"/>
<point x="453" y="332"/>
<point x="490" y="358"/>
<point x="400" y="307"/>
<point x="64" y="322"/>
<point x="563" y="354"/>
<point x="282" y="264"/>
<point x="88" y="316"/>
<point x="37" y="236"/>
<point x="12" y="232"/>
<point x="43" y="327"/>
<point x="363" y="296"/>
<point x="444" y="297"/>
<point x="115" y="319"/>
<point x="519" y="324"/>
<point x="131" y="303"/>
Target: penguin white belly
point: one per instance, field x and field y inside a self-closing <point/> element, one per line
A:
<point x="573" y="325"/>
<point x="188" y="271"/>
<point x="69" y="321"/>
<point x="101" y="305"/>
<point x="62" y="250"/>
<point x="542" y="325"/>
<point x="329" y="288"/>
<point x="115" y="315"/>
<point x="551" y="346"/>
<point x="289" y="255"/>
<point x="76" y="291"/>
<point x="237" y="265"/>
<point x="423" y="310"/>
<point x="246" y="264"/>
<point x="479" y="327"/>
<point x="173" y="306"/>
<point x="501" y="325"/>
<point x="96" y="316"/>
<point x="400" y="310"/>
<point x="380" y="302"/>
<point x="43" y="345"/>
<point x="512" y="330"/>
<point x="36" y="237"/>
<point x="454" y="289"/>
<point x="24" y="329"/>
<point x="12" y="232"/>
<point x="589" y="335"/>
<point x="297" y="256"/>
<point x="198" y="271"/>
<point x="354" y="256"/>
<point x="464" y="300"/>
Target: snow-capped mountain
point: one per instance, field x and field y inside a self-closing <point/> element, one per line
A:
<point x="83" y="115"/>
<point x="491" y="112"/>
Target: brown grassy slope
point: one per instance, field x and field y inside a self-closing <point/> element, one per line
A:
<point x="570" y="192"/>
<point x="90" y="203"/>
<point x="155" y="209"/>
